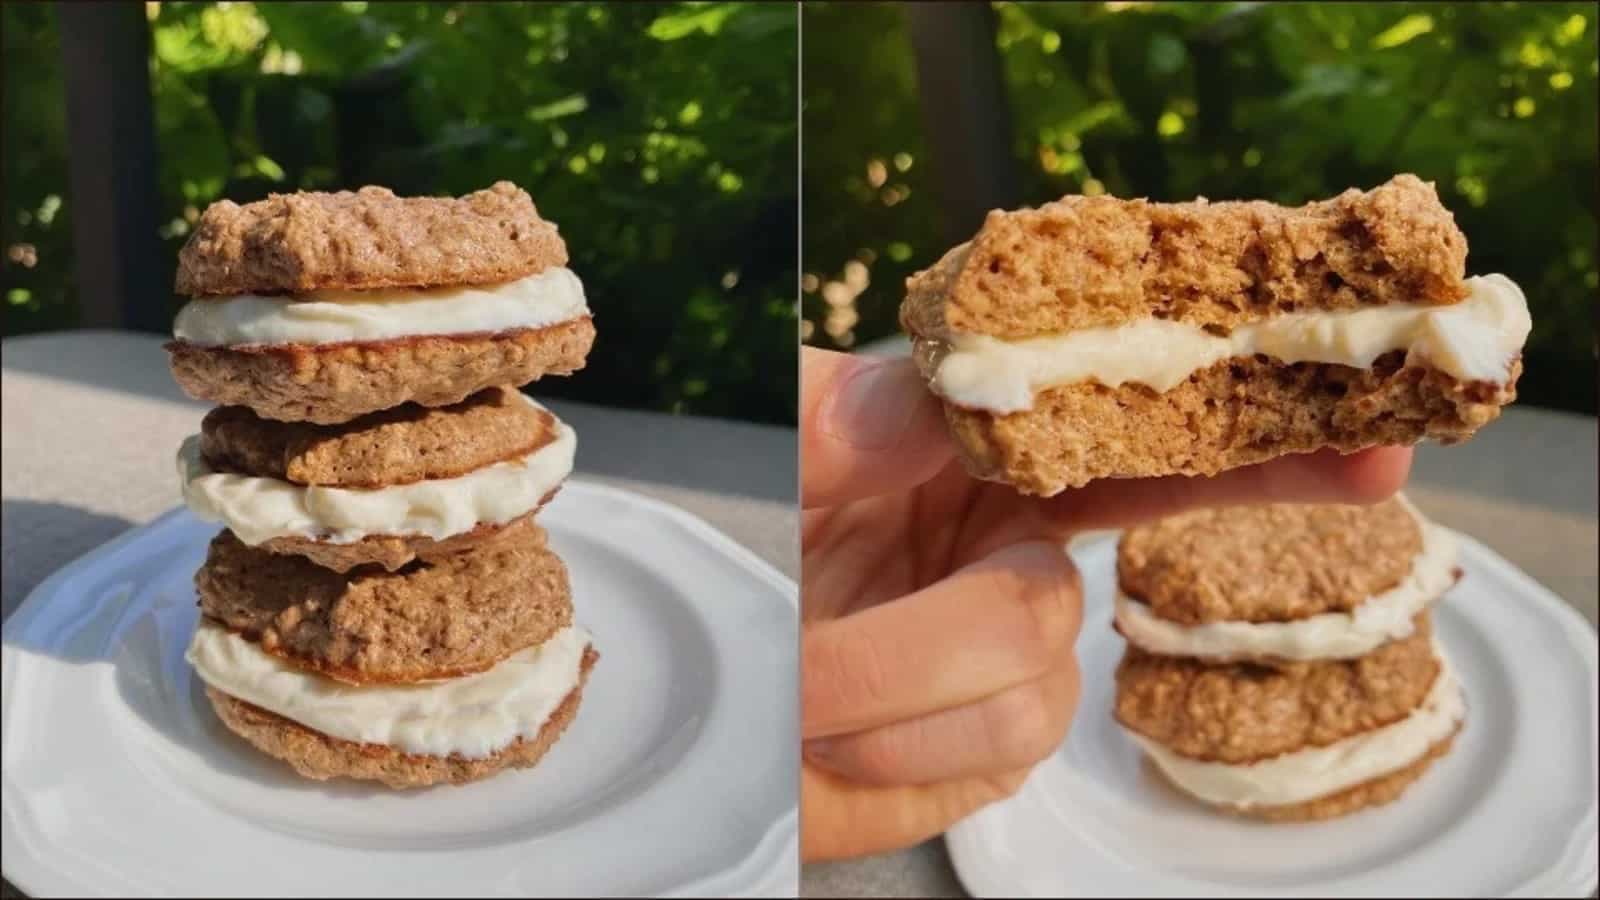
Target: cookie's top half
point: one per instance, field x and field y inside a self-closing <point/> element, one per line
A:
<point x="311" y="241"/>
<point x="400" y="445"/>
<point x="1083" y="262"/>
<point x="1272" y="563"/>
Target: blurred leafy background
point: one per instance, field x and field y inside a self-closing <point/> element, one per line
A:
<point x="660" y="137"/>
<point x="1495" y="102"/>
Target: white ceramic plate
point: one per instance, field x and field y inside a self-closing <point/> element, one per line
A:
<point x="677" y="777"/>
<point x="1511" y="811"/>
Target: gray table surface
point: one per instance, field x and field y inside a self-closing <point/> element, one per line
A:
<point x="90" y="420"/>
<point x="1525" y="486"/>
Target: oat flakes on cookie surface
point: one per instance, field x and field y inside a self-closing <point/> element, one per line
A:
<point x="454" y="616"/>
<point x="399" y="445"/>
<point x="1271" y="563"/>
<point x="370" y="238"/>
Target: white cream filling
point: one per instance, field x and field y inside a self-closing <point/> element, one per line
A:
<point x="1319" y="771"/>
<point x="1382" y="618"/>
<point x="475" y="716"/>
<point x="257" y="509"/>
<point x="331" y="317"/>
<point x="1474" y="340"/>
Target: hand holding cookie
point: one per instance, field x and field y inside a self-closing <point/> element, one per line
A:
<point x="940" y="612"/>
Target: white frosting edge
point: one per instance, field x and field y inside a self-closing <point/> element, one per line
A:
<point x="257" y="509"/>
<point x="1474" y="340"/>
<point x="1382" y="618"/>
<point x="1319" y="771"/>
<point x="548" y="298"/>
<point x="473" y="717"/>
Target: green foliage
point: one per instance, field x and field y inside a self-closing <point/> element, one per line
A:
<point x="1496" y="103"/>
<point x="662" y="139"/>
<point x="38" y="295"/>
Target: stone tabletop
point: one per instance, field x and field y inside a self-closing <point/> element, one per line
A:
<point x="91" y="420"/>
<point x="1525" y="486"/>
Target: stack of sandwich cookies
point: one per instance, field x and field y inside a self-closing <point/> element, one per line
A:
<point x="1102" y="338"/>
<point x="382" y="604"/>
<point x="1281" y="662"/>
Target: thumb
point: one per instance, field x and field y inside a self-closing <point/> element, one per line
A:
<point x="868" y="426"/>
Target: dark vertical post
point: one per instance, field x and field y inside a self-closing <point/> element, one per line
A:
<point x="105" y="50"/>
<point x="964" y="111"/>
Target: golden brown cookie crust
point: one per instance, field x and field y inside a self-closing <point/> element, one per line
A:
<point x="1273" y="563"/>
<point x="1243" y="713"/>
<point x="454" y="616"/>
<point x="394" y="551"/>
<point x="1082" y="262"/>
<point x="400" y="445"/>
<point x="308" y="241"/>
<point x="1374" y="792"/>
<point x="333" y="383"/>
<point x="319" y="757"/>
<point x="1235" y="413"/>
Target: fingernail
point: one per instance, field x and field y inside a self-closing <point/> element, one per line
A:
<point x="873" y="406"/>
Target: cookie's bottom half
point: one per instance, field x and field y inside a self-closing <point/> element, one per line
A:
<point x="320" y="757"/>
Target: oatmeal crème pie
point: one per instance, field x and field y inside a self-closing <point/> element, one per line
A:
<point x="323" y="307"/>
<point x="385" y="488"/>
<point x="1281" y="660"/>
<point x="1095" y="337"/>
<point x="445" y="671"/>
<point x="382" y="603"/>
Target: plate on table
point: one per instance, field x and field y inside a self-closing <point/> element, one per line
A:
<point x="676" y="777"/>
<point x="1510" y="811"/>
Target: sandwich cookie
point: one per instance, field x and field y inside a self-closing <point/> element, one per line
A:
<point x="1102" y="338"/>
<point x="1282" y="582"/>
<point x="1305" y="741"/>
<point x="407" y="483"/>
<point x="446" y="671"/>
<point x="322" y="307"/>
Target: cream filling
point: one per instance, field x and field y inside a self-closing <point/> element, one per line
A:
<point x="332" y="317"/>
<point x="475" y="716"/>
<point x="1474" y="340"/>
<point x="257" y="509"/>
<point x="1319" y="771"/>
<point x="1382" y="618"/>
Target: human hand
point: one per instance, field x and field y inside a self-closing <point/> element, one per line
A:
<point x="939" y="612"/>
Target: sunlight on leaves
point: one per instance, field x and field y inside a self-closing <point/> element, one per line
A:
<point x="1403" y="31"/>
<point x="708" y="18"/>
<point x="570" y="105"/>
<point x="1571" y="31"/>
<point x="48" y="209"/>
